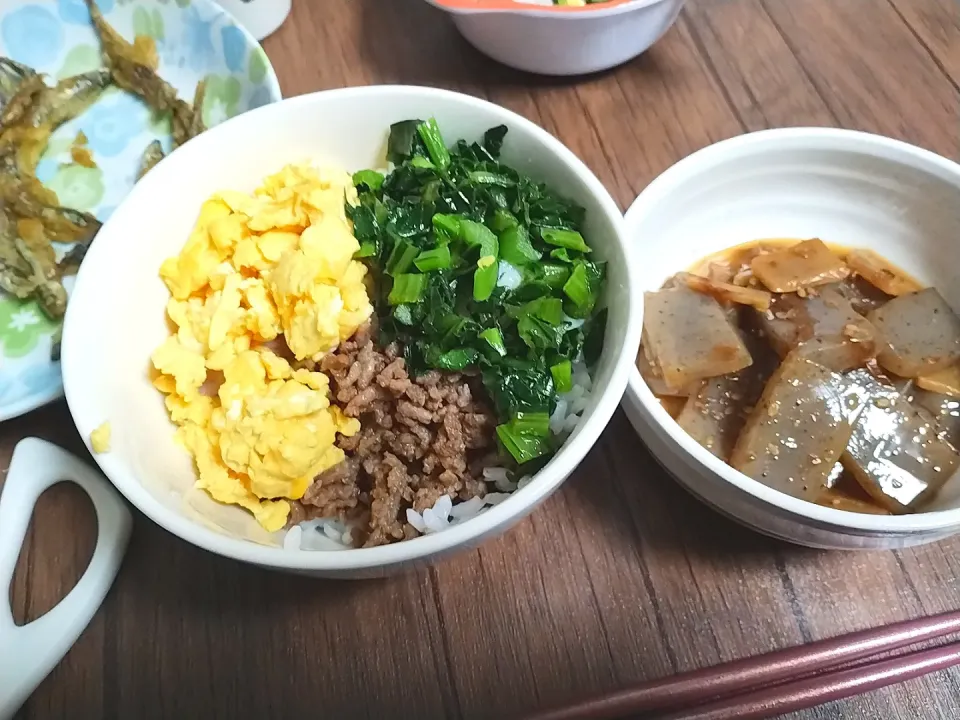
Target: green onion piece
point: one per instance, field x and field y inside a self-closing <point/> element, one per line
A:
<point x="430" y="134"/>
<point x="403" y="315"/>
<point x="564" y="238"/>
<point x="485" y="278"/>
<point x="367" y="249"/>
<point x="550" y="310"/>
<point x="371" y="178"/>
<point x="502" y="220"/>
<point x="479" y="235"/>
<point x="531" y="423"/>
<point x="437" y="258"/>
<point x="419" y="161"/>
<point x="447" y="226"/>
<point x="577" y="288"/>
<point x="562" y="376"/>
<point x="555" y="275"/>
<point x="561" y="254"/>
<point x="407" y="288"/>
<point x="401" y="257"/>
<point x="515" y="247"/>
<point x="482" y="177"/>
<point x="494" y="339"/>
<point x="525" y="436"/>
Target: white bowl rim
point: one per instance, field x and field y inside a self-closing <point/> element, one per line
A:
<point x="639" y="394"/>
<point x="543" y="483"/>
<point x="535" y="12"/>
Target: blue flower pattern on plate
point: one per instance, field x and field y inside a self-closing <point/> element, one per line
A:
<point x="198" y="40"/>
<point x="234" y="48"/>
<point x="113" y="122"/>
<point x="32" y="35"/>
<point x="260" y="97"/>
<point x="75" y="11"/>
<point x="41" y="378"/>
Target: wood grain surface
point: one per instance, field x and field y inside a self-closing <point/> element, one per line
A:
<point x="619" y="577"/>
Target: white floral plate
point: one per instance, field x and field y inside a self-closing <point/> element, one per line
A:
<point x="195" y="39"/>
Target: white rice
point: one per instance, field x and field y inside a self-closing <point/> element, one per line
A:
<point x="508" y="276"/>
<point x="332" y="534"/>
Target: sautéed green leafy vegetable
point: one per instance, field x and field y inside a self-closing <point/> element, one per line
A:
<point x="479" y="268"/>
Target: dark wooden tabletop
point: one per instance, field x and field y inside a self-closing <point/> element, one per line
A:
<point x="619" y="577"/>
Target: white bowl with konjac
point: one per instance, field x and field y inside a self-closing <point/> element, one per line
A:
<point x="116" y="315"/>
<point x="846" y="187"/>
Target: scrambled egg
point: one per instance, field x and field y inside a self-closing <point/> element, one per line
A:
<point x="273" y="267"/>
<point x="100" y="439"/>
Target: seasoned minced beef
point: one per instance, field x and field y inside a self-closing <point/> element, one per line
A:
<point x="420" y="438"/>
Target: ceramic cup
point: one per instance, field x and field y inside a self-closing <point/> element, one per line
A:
<point x="260" y="17"/>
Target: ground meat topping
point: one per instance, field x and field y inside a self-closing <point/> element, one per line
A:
<point x="420" y="438"/>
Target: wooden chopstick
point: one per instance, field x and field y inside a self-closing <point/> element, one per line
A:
<point x="758" y="673"/>
<point x="827" y="687"/>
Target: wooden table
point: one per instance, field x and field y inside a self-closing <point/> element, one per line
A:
<point x="619" y="577"/>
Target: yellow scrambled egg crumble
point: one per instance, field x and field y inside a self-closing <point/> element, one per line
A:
<point x="278" y="263"/>
<point x="100" y="439"/>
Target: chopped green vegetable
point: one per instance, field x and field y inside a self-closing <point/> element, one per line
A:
<point x="430" y="134"/>
<point x="401" y="258"/>
<point x="562" y="374"/>
<point x="502" y="220"/>
<point x="555" y="275"/>
<point x="479" y="235"/>
<point x="437" y="258"/>
<point x="494" y="339"/>
<point x="485" y="278"/>
<point x="369" y="178"/>
<point x="526" y="436"/>
<point x="570" y="239"/>
<point x="404" y="141"/>
<point x="515" y="247"/>
<point x="437" y="232"/>
<point x="407" y="288"/>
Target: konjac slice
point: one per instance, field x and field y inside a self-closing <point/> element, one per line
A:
<point x="839" y="499"/>
<point x="831" y="332"/>
<point x="795" y="268"/>
<point x="944" y="410"/>
<point x="716" y="414"/>
<point x="727" y="292"/>
<point x="895" y="451"/>
<point x="863" y="296"/>
<point x="690" y="337"/>
<point x="921" y="334"/>
<point x="798" y="430"/>
<point x="943" y="382"/>
<point x="653" y="377"/>
<point x="881" y="273"/>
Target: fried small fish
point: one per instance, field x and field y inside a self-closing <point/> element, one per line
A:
<point x="151" y="156"/>
<point x="133" y="73"/>
<point x="199" y="96"/>
<point x="21" y="104"/>
<point x="12" y="76"/>
<point x="26" y="198"/>
<point x="24" y="275"/>
<point x="29" y="128"/>
<point x="70" y="263"/>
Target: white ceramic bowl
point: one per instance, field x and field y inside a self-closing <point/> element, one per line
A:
<point x="847" y="187"/>
<point x="116" y="317"/>
<point x="538" y="37"/>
